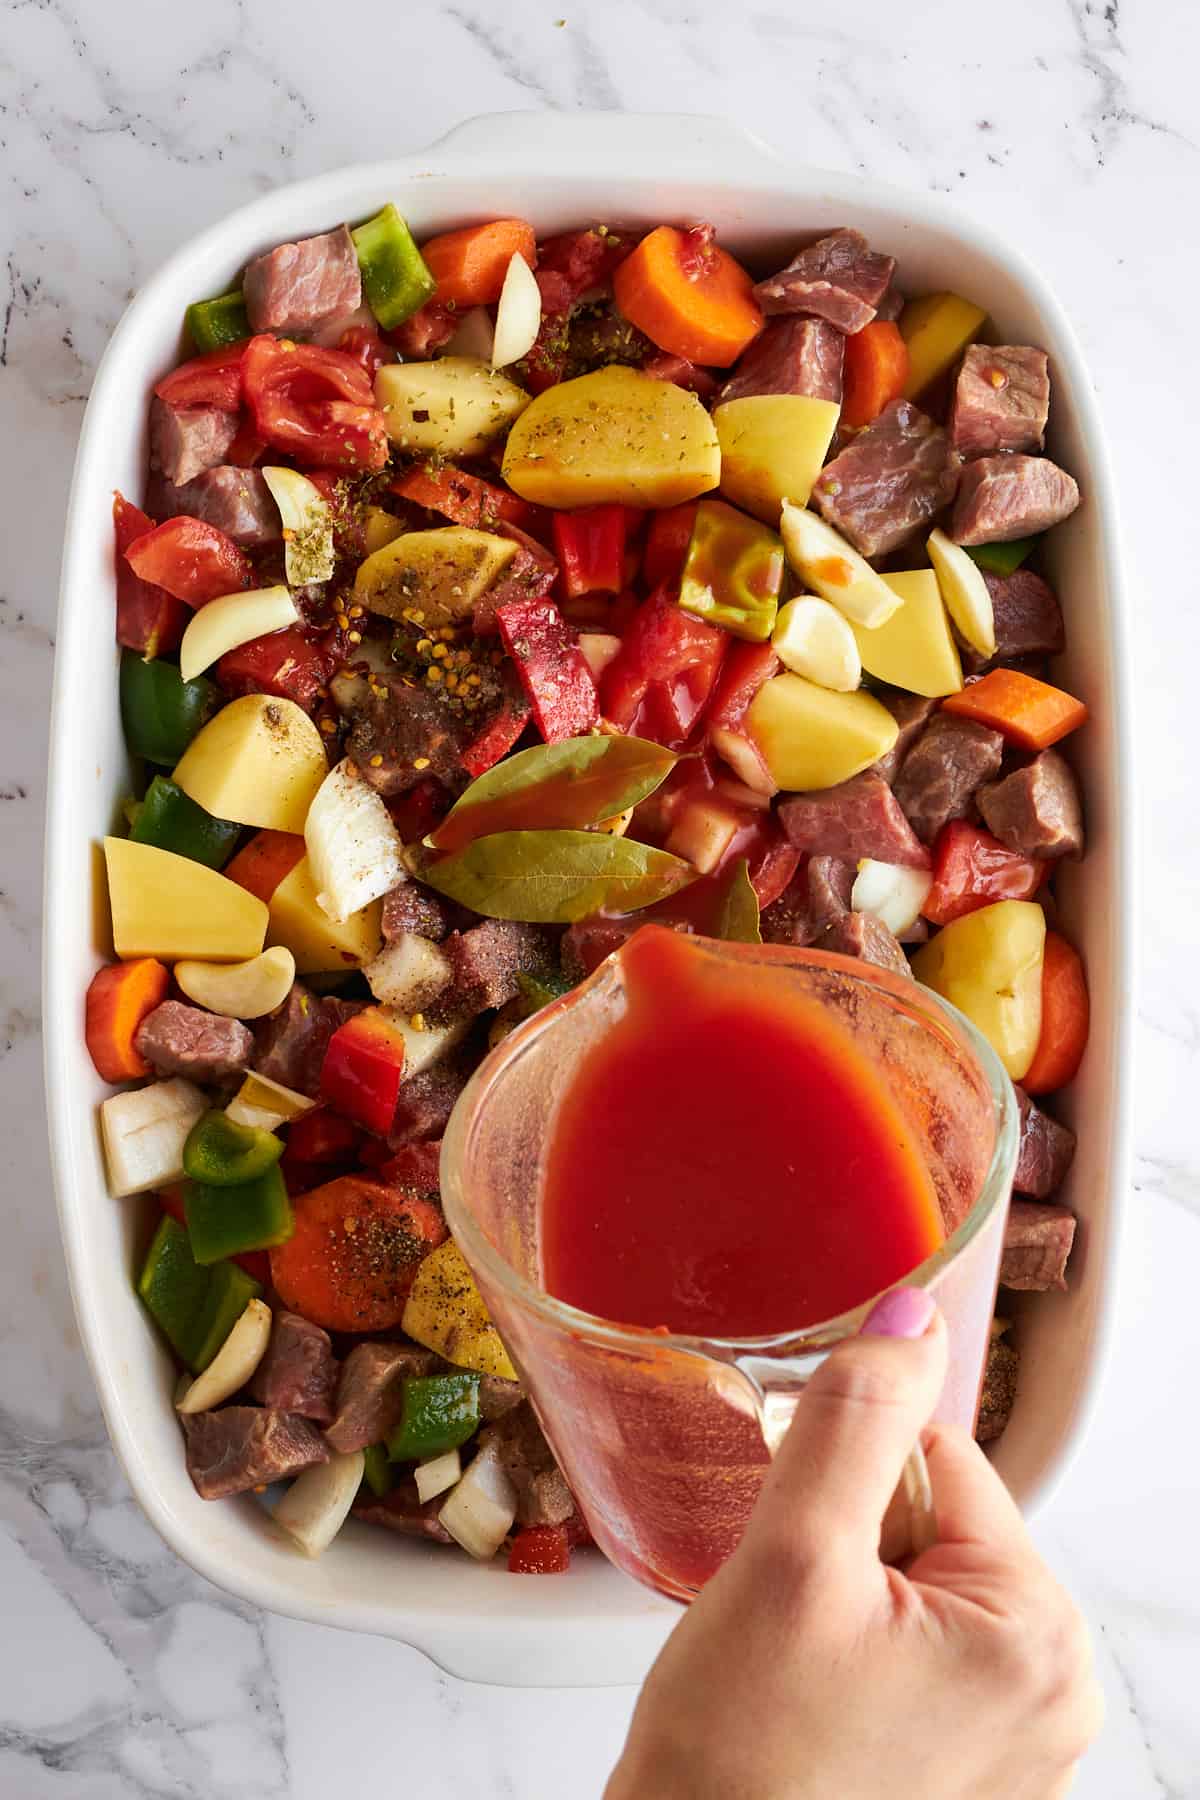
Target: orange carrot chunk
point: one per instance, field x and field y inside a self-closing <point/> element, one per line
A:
<point x="874" y="373"/>
<point x="1029" y="712"/>
<point x="264" y="862"/>
<point x="689" y="296"/>
<point x="469" y="266"/>
<point x="118" y="1000"/>
<point x="356" y="1248"/>
<point x="1065" y="1012"/>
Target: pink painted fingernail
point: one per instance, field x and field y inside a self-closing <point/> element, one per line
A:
<point x="903" y="1312"/>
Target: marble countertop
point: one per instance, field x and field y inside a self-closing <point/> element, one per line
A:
<point x="1069" y="123"/>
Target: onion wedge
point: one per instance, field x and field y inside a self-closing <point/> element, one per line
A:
<point x="354" y="850"/>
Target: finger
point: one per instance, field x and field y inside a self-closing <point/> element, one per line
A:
<point x="973" y="1505"/>
<point x="855" y="1424"/>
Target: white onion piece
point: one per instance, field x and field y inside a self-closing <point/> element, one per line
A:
<point x="964" y="592"/>
<point x="474" y="336"/>
<point x="314" y="1509"/>
<point x="265" y="1104"/>
<point x="409" y="972"/>
<point x="354" y="850"/>
<point x="234" y="1363"/>
<point x="890" y="894"/>
<point x="425" y="1045"/>
<point x="144" y="1131"/>
<point x="436" y="1475"/>
<point x="518" y="316"/>
<point x="230" y="622"/>
<point x="831" y="567"/>
<point x="307" y="525"/>
<point x="481" y="1508"/>
<point x="244" y="990"/>
<point x="812" y="638"/>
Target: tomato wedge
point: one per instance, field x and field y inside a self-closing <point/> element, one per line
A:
<point x="190" y="559"/>
<point x="317" y="405"/>
<point x="214" y="379"/>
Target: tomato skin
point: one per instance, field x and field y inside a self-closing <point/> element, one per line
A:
<point x="149" y="619"/>
<point x="971" y="869"/>
<point x="540" y="1550"/>
<point x="291" y="664"/>
<point x="367" y="347"/>
<point x="316" y="405"/>
<point x="214" y="379"/>
<point x="194" y="561"/>
<point x="745" y="669"/>
<point x="660" y="680"/>
<point x="667" y="543"/>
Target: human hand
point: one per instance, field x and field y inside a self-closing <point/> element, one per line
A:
<point x="808" y="1668"/>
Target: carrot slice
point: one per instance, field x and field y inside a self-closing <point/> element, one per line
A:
<point x="118" y="1000"/>
<point x="1065" y="1016"/>
<point x="874" y="373"/>
<point x="264" y="862"/>
<point x="689" y="296"/>
<point x="355" y="1250"/>
<point x="467" y="499"/>
<point x="1029" y="712"/>
<point x="469" y="266"/>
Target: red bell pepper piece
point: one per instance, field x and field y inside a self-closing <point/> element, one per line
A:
<point x="363" y="1069"/>
<point x="551" y="668"/>
<point x="415" y="813"/>
<point x="590" y="546"/>
<point x="293" y="664"/>
<point x="118" y="999"/>
<point x="971" y="869"/>
<point x="367" y="347"/>
<point x="317" y="405"/>
<point x="255" y="1262"/>
<point x="194" y="561"/>
<point x="467" y="499"/>
<point x="667" y="541"/>
<point x="747" y="666"/>
<point x="321" y="1136"/>
<point x="214" y="379"/>
<point x="149" y="619"/>
<point x="497" y="737"/>
<point x="540" y="1550"/>
<point x="660" y="680"/>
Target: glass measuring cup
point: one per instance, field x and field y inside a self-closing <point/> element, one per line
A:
<point x="664" y="1439"/>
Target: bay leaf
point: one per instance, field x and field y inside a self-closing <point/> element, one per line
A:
<point x="555" y="877"/>
<point x="737" y="914"/>
<point x="577" y="782"/>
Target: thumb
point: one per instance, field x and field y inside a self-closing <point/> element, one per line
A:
<point x="855" y="1424"/>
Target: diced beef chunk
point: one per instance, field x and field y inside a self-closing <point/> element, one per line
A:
<point x="488" y="959"/>
<point x="402" y="725"/>
<point x="817" y="897"/>
<point x="866" y="937"/>
<point x="403" y="1510"/>
<point x="912" y="712"/>
<point x="1001" y="400"/>
<point x="290" y="1044"/>
<point x="585" y="944"/>
<point x="185" y="1040"/>
<point x="1004" y="497"/>
<point x="241" y="1447"/>
<point x="1028" y="619"/>
<point x="237" y="501"/>
<point x="891" y="306"/>
<point x="186" y="440"/>
<point x="1045" y="1153"/>
<point x="1037" y="1243"/>
<point x="857" y="818"/>
<point x="893" y="478"/>
<point x="415" y="1166"/>
<point x="999" y="1390"/>
<point x="682" y="373"/>
<point x="299" y="1372"/>
<point x="941" y="774"/>
<point x="295" y="286"/>
<point x="543" y="1497"/>
<point x="498" y="1396"/>
<point x="790" y="356"/>
<point x="411" y="907"/>
<point x="425" y="1103"/>
<point x="838" y="278"/>
<point x="1036" y="810"/>
<point x="370" y="1393"/>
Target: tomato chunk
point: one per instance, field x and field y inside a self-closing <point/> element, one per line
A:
<point x="540" y="1550"/>
<point x="316" y="405"/>
<point x="971" y="869"/>
<point x="190" y="559"/>
<point x="149" y="619"/>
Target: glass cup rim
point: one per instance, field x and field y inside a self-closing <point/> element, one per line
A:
<point x="931" y="1010"/>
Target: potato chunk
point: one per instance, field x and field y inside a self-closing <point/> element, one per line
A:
<point x="454" y="406"/>
<point x="258" y="762"/>
<point x="439" y="574"/>
<point x="915" y="648"/>
<point x="812" y="737"/>
<point x="169" y="906"/>
<point x="616" y="437"/>
<point x="772" y="449"/>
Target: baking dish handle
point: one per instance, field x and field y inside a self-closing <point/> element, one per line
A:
<point x="678" y="141"/>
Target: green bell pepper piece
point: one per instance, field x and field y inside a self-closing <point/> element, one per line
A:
<point x="377" y="1471"/>
<point x="225" y="1221"/>
<point x="171" y="820"/>
<point x="440" y="1413"/>
<point x="733" y="572"/>
<point x="215" y="323"/>
<point x="395" y="279"/>
<point x="221" y="1153"/>
<point x="1001" y="559"/>
<point x="195" y="1308"/>
<point x="160" y="711"/>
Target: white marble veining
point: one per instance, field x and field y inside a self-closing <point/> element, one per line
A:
<point x="125" y="130"/>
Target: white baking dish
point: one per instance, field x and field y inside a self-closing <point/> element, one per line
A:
<point x="593" y="1626"/>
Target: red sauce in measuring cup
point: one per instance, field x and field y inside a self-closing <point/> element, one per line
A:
<point x="725" y="1163"/>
